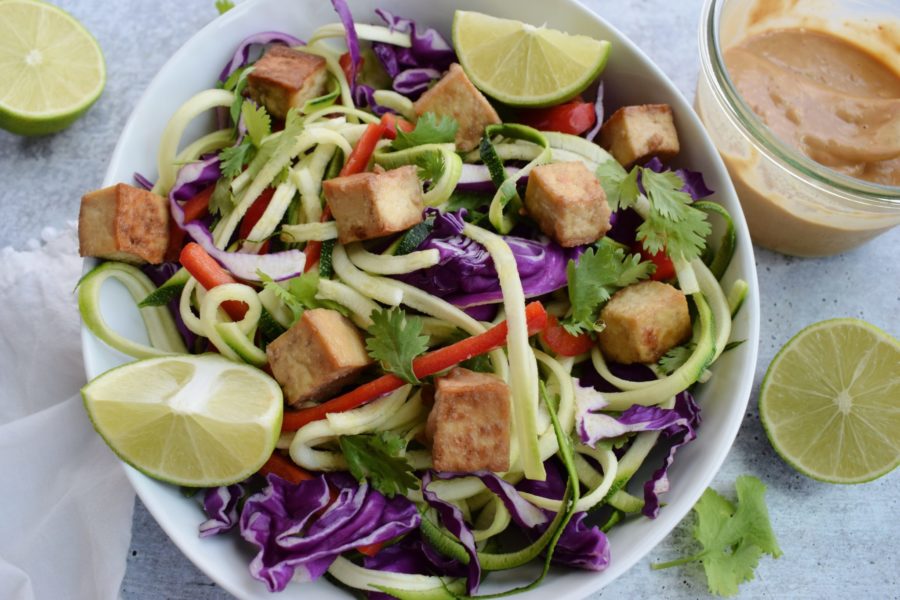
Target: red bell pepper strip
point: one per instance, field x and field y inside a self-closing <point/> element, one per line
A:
<point x="392" y="122"/>
<point x="564" y="343"/>
<point x="209" y="273"/>
<point x="423" y="366"/>
<point x="574" y="117"/>
<point x="370" y="549"/>
<point x="665" y="268"/>
<point x="284" y="468"/>
<point x="254" y="214"/>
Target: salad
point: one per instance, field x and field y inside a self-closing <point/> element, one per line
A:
<point x="482" y="318"/>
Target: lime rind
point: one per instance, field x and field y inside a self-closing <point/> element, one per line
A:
<point x="878" y="450"/>
<point x="545" y="60"/>
<point x="78" y="50"/>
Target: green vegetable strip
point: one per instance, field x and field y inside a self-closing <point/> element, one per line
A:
<point x="737" y="295"/>
<point x="396" y="102"/>
<point x="161" y="329"/>
<point x="450" y="172"/>
<point x="523" y="375"/>
<point x="507" y="193"/>
<point x="172" y="134"/>
<point x="232" y="339"/>
<point x="364" y="31"/>
<point x="710" y="288"/>
<point x="372" y="579"/>
<point x="168" y="290"/>
<point x="392" y="265"/>
<point x="306" y="232"/>
<point x="603" y="369"/>
<point x="273" y="215"/>
<point x="722" y="258"/>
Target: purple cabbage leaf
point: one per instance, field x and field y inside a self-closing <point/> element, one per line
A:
<point x="300" y="529"/>
<point x="221" y="506"/>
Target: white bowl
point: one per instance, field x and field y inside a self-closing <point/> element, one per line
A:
<point x="630" y="79"/>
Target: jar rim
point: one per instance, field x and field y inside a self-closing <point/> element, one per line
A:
<point x="712" y="62"/>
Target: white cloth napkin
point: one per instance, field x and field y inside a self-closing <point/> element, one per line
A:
<point x="65" y="504"/>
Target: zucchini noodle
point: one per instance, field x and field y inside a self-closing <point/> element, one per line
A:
<point x="603" y="369"/>
<point x="270" y="218"/>
<point x="161" y="331"/>
<point x="396" y="102"/>
<point x="391" y="265"/>
<point x="372" y="33"/>
<point x="307" y="177"/>
<point x="232" y="339"/>
<point x="440" y="190"/>
<point x="306" y="232"/>
<point x="373" y="580"/>
<point x="172" y="134"/>
<point x="608" y="461"/>
<point x="523" y="373"/>
<point x="359" y="306"/>
<point x="334" y="68"/>
<point x="211" y="142"/>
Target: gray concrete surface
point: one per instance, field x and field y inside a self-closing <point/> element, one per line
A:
<point x="838" y="541"/>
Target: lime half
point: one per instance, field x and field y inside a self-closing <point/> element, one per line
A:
<point x="198" y="421"/>
<point x="524" y="65"/>
<point x="830" y="401"/>
<point x="51" y="68"/>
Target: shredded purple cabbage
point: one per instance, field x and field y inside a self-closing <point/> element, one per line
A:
<point x="196" y="176"/>
<point x="343" y="12"/>
<point x="452" y="519"/>
<point x="466" y="276"/>
<point x="634" y="372"/>
<point x="413" y="69"/>
<point x="581" y="545"/>
<point x="242" y="55"/>
<point x="679" y="434"/>
<point x="221" y="506"/>
<point x="142" y="181"/>
<point x="299" y="530"/>
<point x="526" y="514"/>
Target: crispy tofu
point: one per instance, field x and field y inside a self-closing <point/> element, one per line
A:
<point x="568" y="203"/>
<point x="124" y="223"/>
<point x="469" y="424"/>
<point x="643" y="322"/>
<point x="456" y="96"/>
<point x="321" y="353"/>
<point x="635" y="133"/>
<point x="371" y="205"/>
<point x="284" y="78"/>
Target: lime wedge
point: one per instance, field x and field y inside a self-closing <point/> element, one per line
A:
<point x="198" y="421"/>
<point x="51" y="68"/>
<point x="524" y="65"/>
<point x="830" y="401"/>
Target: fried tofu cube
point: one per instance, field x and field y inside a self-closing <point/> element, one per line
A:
<point x="321" y="353"/>
<point x="568" y="203"/>
<point x="635" y="133"/>
<point x="456" y="96"/>
<point x="284" y="78"/>
<point x="643" y="322"/>
<point x="371" y="205"/>
<point x="124" y="223"/>
<point x="469" y="424"/>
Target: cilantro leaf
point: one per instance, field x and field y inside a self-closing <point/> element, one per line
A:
<point x="672" y="223"/>
<point x="234" y="158"/>
<point x="378" y="459"/>
<point x="257" y="122"/>
<point x="224" y="6"/>
<point x="598" y="273"/>
<point x="395" y="340"/>
<point x="221" y="203"/>
<point x="676" y="357"/>
<point x="620" y="185"/>
<point x="300" y="293"/>
<point x="431" y="166"/>
<point x="240" y="84"/>
<point x="733" y="536"/>
<point x="429" y="130"/>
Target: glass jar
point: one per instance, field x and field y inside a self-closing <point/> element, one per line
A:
<point x="792" y="204"/>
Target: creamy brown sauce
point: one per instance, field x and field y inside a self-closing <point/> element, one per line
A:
<point x="827" y="97"/>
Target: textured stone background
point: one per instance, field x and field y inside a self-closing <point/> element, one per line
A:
<point x="837" y="541"/>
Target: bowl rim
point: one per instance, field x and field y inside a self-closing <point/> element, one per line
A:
<point x="802" y="167"/>
<point x="578" y="583"/>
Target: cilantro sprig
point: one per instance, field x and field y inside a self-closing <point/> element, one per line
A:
<point x="592" y="280"/>
<point x="379" y="459"/>
<point x="299" y="294"/>
<point x="733" y="537"/>
<point x="429" y="130"/>
<point x="395" y="340"/>
<point x="671" y="223"/>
